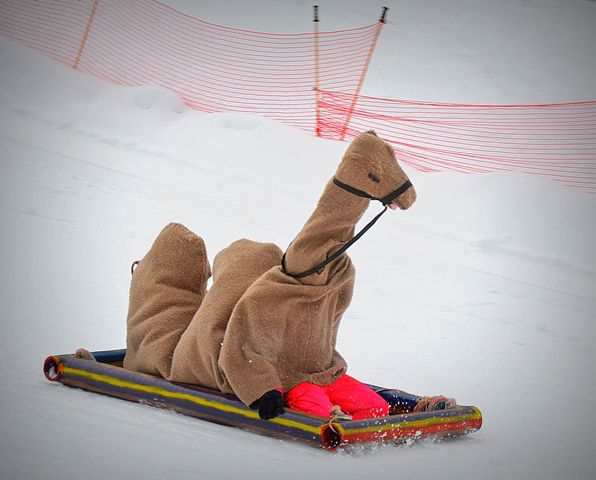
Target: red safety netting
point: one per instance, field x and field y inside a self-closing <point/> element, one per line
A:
<point x="555" y="140"/>
<point x="212" y="67"/>
<point x="217" y="69"/>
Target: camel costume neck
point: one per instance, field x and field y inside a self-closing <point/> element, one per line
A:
<point x="327" y="229"/>
<point x="336" y="218"/>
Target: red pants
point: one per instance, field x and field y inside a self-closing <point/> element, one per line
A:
<point x="353" y="397"/>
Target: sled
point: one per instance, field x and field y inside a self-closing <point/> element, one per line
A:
<point x="106" y="376"/>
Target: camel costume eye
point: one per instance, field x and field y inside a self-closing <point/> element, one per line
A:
<point x="374" y="178"/>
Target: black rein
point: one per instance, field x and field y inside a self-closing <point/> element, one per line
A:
<point x="386" y="200"/>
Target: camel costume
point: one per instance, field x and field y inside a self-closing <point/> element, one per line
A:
<point x="258" y="328"/>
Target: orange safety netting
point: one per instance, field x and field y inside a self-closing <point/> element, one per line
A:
<point x="211" y="67"/>
<point x="554" y="140"/>
<point x="217" y="69"/>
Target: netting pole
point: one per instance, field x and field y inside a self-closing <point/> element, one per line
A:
<point x="317" y="71"/>
<point x="371" y="51"/>
<point x="86" y="34"/>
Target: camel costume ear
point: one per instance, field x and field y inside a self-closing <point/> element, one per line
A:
<point x="372" y="132"/>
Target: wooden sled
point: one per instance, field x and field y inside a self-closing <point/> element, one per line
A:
<point x="107" y="376"/>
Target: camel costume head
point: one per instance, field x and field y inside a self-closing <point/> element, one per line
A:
<point x="261" y="326"/>
<point x="368" y="170"/>
<point x="369" y="165"/>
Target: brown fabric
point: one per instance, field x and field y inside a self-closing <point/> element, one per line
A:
<point x="283" y="330"/>
<point x="167" y="287"/>
<point x="370" y="165"/>
<point x="282" y="333"/>
<point x="234" y="270"/>
<point x="258" y="328"/>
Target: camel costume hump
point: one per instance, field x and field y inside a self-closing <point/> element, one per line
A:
<point x="234" y="269"/>
<point x="283" y="332"/>
<point x="166" y="289"/>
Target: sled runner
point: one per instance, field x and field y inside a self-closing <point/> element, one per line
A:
<point x="106" y="376"/>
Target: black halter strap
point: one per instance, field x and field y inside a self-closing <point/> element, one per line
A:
<point x="386" y="200"/>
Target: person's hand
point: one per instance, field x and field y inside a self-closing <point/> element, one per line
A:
<point x="271" y="404"/>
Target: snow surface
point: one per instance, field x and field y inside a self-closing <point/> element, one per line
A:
<point x="485" y="290"/>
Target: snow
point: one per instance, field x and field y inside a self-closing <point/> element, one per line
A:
<point x="485" y="290"/>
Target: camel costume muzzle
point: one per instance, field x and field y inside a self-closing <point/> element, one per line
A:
<point x="261" y="325"/>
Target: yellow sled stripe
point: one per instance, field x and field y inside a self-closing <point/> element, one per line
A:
<point x="118" y="382"/>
